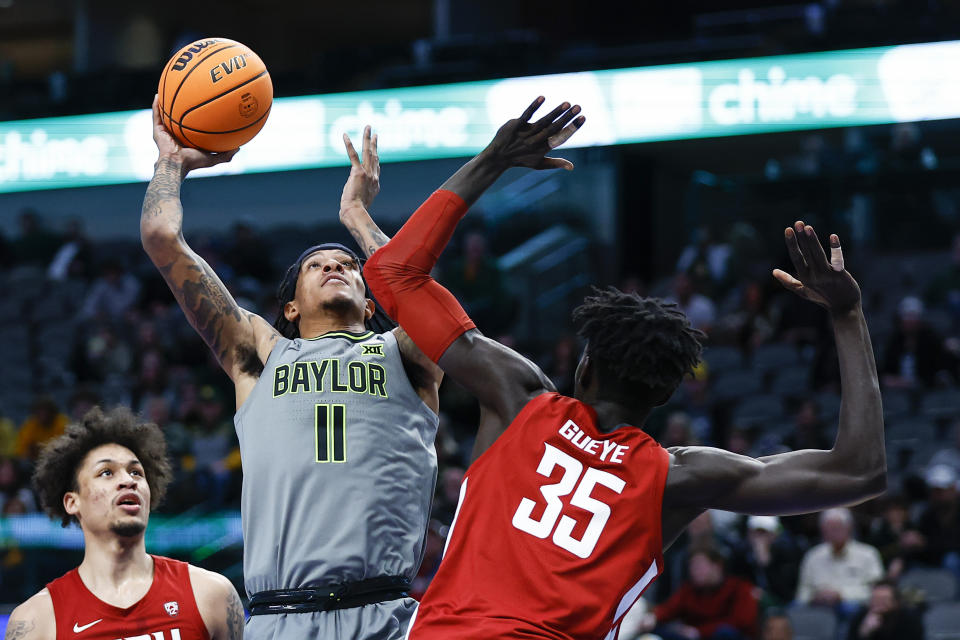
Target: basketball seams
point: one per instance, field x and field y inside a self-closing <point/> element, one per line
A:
<point x="173" y="100"/>
<point x="183" y="116"/>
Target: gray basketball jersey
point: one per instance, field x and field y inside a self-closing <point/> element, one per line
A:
<point x="339" y="466"/>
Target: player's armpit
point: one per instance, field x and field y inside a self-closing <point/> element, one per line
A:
<point x="424" y="374"/>
<point x="502" y="380"/>
<point x="783" y="484"/>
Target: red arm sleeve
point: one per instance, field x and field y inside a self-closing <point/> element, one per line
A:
<point x="399" y="276"/>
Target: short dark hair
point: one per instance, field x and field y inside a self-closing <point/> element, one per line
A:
<point x="638" y="341"/>
<point x="60" y="459"/>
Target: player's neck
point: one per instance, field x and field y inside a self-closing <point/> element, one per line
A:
<point x="613" y="413"/>
<point x="110" y="561"/>
<point x="313" y="327"/>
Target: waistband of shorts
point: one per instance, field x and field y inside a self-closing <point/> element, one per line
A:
<point x="328" y="598"/>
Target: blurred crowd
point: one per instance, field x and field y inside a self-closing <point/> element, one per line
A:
<point x="98" y="326"/>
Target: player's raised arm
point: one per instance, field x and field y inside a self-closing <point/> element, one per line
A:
<point x="240" y="340"/>
<point x="362" y="186"/>
<point x="399" y="273"/>
<point x="852" y="471"/>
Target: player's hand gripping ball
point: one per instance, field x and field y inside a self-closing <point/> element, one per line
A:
<point x="215" y="94"/>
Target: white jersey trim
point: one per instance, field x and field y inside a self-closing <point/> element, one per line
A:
<point x="413" y="619"/>
<point x="634" y="592"/>
<point x="463" y="495"/>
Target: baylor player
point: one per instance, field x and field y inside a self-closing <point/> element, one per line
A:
<point x="336" y="425"/>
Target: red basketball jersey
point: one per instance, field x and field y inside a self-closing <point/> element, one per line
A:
<point x="557" y="532"/>
<point x="168" y="611"/>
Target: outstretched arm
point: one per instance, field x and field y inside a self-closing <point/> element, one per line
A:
<point x="240" y="340"/>
<point x="852" y="471"/>
<point x="399" y="273"/>
<point x="362" y="186"/>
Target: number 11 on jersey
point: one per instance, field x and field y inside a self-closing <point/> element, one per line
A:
<point x="331" y="430"/>
<point x="573" y="477"/>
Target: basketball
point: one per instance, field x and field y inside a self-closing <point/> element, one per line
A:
<point x="215" y="94"/>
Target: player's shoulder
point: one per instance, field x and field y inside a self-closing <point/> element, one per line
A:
<point x="209" y="584"/>
<point x="34" y="618"/>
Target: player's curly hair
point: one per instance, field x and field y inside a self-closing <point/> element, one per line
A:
<point x="638" y="342"/>
<point x="59" y="462"/>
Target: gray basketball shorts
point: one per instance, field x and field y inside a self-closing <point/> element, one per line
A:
<point x="380" y="621"/>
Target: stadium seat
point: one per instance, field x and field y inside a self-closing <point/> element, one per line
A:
<point x="737" y="384"/>
<point x="770" y="357"/>
<point x="936" y="585"/>
<point x="896" y="404"/>
<point x="813" y="623"/>
<point x="758" y="411"/>
<point x="941" y="404"/>
<point x="792" y="381"/>
<point x="911" y="429"/>
<point x="722" y="359"/>
<point x="942" y="621"/>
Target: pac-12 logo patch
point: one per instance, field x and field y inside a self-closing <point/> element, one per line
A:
<point x="172" y="608"/>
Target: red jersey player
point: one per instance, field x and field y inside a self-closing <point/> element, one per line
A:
<point x="563" y="518"/>
<point x="106" y="473"/>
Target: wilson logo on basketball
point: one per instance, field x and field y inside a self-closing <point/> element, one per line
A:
<point x="248" y="105"/>
<point x="187" y="55"/>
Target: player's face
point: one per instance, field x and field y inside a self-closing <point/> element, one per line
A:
<point x="112" y="493"/>
<point x="330" y="280"/>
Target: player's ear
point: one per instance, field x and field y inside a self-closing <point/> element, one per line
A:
<point x="71" y="503"/>
<point x="370" y="309"/>
<point x="290" y="311"/>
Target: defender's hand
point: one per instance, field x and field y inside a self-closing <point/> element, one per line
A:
<point x="519" y="143"/>
<point x="826" y="283"/>
<point x="363" y="184"/>
<point x="188" y="157"/>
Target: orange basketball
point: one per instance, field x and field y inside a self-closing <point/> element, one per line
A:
<point x="215" y="94"/>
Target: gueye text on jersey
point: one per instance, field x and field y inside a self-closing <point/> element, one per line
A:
<point x="329" y="375"/>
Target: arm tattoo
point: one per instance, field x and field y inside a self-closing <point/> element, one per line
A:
<point x="164" y="189"/>
<point x="369" y="237"/>
<point x="234" y="616"/>
<point x="19" y="629"/>
<point x="206" y="301"/>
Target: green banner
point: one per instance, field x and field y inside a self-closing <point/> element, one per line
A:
<point x="722" y="98"/>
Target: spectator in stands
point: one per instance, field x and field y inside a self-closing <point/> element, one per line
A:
<point x="245" y="255"/>
<point x="894" y="535"/>
<point x="885" y="617"/>
<point x="949" y="455"/>
<point x="838" y="572"/>
<point x="749" y="325"/>
<point x="35" y="245"/>
<point x="445" y="503"/>
<point x="776" y="626"/>
<point x="15" y="495"/>
<point x="8" y="437"/>
<point x="698" y="308"/>
<point x="944" y="289"/>
<point x="561" y="364"/>
<point x="710" y="605"/>
<point x="809" y="431"/>
<point x="81" y="401"/>
<point x="704" y="261"/>
<point x="678" y="432"/>
<point x="215" y="451"/>
<point x="432" y="554"/>
<point x="477" y="281"/>
<point x="111" y="294"/>
<point x="769" y="558"/>
<point x="915" y="355"/>
<point x="44" y="423"/>
<point x="74" y="257"/>
<point x="939" y="523"/>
